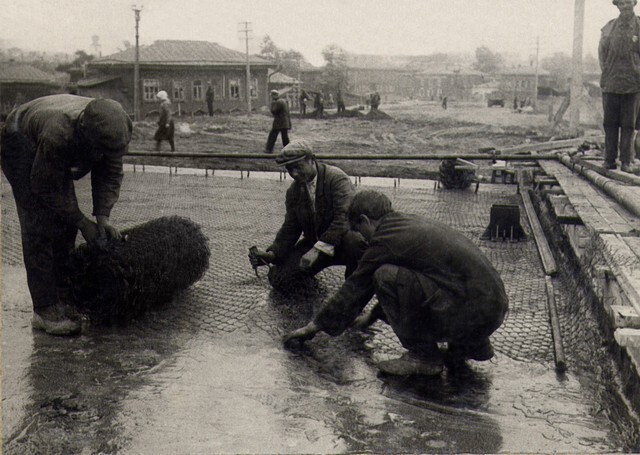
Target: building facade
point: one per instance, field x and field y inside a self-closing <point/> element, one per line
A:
<point x="184" y="69"/>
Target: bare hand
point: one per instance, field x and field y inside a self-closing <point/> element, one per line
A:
<point x="300" y="335"/>
<point x="106" y="230"/>
<point x="261" y="257"/>
<point x="89" y="230"/>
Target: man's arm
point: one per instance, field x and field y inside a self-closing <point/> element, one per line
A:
<point x="341" y="194"/>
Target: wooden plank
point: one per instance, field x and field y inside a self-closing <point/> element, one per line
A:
<point x="592" y="207"/>
<point x="558" y="349"/>
<point x="621" y="255"/>
<point x="548" y="262"/>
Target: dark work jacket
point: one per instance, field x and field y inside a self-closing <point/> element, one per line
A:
<point x="619" y="55"/>
<point x="61" y="155"/>
<point x="334" y="192"/>
<point x="432" y="249"/>
<point x="280" y="111"/>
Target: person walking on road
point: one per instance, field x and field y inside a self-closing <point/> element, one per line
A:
<point x="315" y="233"/>
<point x="166" y="127"/>
<point x="46" y="144"/>
<point x="209" y="96"/>
<point x="432" y="283"/>
<point x="340" y="101"/>
<point x="281" y="122"/>
<point x="619" y="56"/>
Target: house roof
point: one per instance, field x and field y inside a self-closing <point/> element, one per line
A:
<point x="25" y="73"/>
<point x="523" y="71"/>
<point x="177" y="52"/>
<point x="441" y="70"/>
<point x="280" y="78"/>
<point x="95" y="81"/>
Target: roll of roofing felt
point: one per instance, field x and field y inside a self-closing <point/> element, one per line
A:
<point x="121" y="280"/>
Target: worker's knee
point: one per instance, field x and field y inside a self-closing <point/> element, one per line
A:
<point x="385" y="275"/>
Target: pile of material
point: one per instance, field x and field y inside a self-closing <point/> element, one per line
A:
<point x="376" y="114"/>
<point x="119" y="281"/>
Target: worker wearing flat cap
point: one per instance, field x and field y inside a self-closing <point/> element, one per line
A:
<point x="315" y="233"/>
<point x="281" y="122"/>
<point x="46" y="144"/>
<point x="619" y="55"/>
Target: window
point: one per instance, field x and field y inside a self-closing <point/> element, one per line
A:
<point x="197" y="90"/>
<point x="178" y="91"/>
<point x="150" y="88"/>
<point x="254" y="88"/>
<point x="234" y="88"/>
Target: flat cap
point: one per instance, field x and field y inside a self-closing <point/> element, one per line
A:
<point x="294" y="151"/>
<point x="275" y="92"/>
<point x="107" y="123"/>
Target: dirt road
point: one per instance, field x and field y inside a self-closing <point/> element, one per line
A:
<point x="413" y="128"/>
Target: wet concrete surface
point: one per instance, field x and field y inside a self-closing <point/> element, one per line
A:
<point x="208" y="373"/>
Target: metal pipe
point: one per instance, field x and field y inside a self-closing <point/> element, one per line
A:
<point x="329" y="156"/>
<point x="623" y="194"/>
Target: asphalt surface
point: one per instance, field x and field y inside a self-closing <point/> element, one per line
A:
<point x="208" y="373"/>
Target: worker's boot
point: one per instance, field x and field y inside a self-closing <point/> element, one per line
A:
<point x="56" y="320"/>
<point x="412" y="363"/>
<point x="480" y="350"/>
<point x="627" y="150"/>
<point x="610" y="147"/>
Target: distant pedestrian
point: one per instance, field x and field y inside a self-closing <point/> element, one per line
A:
<point x="281" y="122"/>
<point x="375" y="100"/>
<point x="166" y="127"/>
<point x="303" y="98"/>
<point x="46" y="144"/>
<point x="340" y="101"/>
<point x="619" y="56"/>
<point x="444" y="103"/>
<point x="318" y="104"/>
<point x="210" y="97"/>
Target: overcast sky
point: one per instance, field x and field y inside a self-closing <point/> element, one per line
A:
<point x="406" y="27"/>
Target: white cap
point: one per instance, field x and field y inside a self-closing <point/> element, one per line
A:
<point x="162" y="95"/>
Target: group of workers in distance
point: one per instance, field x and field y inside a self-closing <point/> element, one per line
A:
<point x="432" y="284"/>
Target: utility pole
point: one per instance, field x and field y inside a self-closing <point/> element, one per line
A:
<point x="535" y="91"/>
<point x="246" y="30"/>
<point x="136" y="68"/>
<point x="576" y="76"/>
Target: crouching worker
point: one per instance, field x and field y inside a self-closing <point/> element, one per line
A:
<point x="315" y="233"/>
<point x="46" y="144"/>
<point x="432" y="284"/>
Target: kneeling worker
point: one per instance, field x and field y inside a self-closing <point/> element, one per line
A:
<point x="315" y="233"/>
<point x="432" y="284"/>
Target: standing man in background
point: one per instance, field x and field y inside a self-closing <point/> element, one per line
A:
<point x="46" y="144"/>
<point x="619" y="55"/>
<point x="209" y="96"/>
<point x="340" y="101"/>
<point x="281" y="122"/>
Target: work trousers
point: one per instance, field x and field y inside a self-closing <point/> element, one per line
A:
<point x="620" y="116"/>
<point x="422" y="314"/>
<point x="288" y="271"/>
<point x="273" y="135"/>
<point x="46" y="238"/>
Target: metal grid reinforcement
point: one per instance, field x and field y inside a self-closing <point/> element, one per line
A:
<point x="236" y="213"/>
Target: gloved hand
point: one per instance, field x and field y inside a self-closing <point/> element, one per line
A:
<point x="300" y="335"/>
<point x="309" y="259"/>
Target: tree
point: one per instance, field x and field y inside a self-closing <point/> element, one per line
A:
<point x="487" y="61"/>
<point x="81" y="59"/>
<point x="288" y="62"/>
<point x="559" y="66"/>
<point x="336" y="73"/>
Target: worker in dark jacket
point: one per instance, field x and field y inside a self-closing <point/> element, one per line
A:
<point x="619" y="55"/>
<point x="46" y="144"/>
<point x="340" y="101"/>
<point x="209" y="96"/>
<point x="316" y="209"/>
<point x="166" y="126"/>
<point x="281" y="122"/>
<point x="432" y="283"/>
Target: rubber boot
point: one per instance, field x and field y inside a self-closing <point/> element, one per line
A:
<point x="610" y="147"/>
